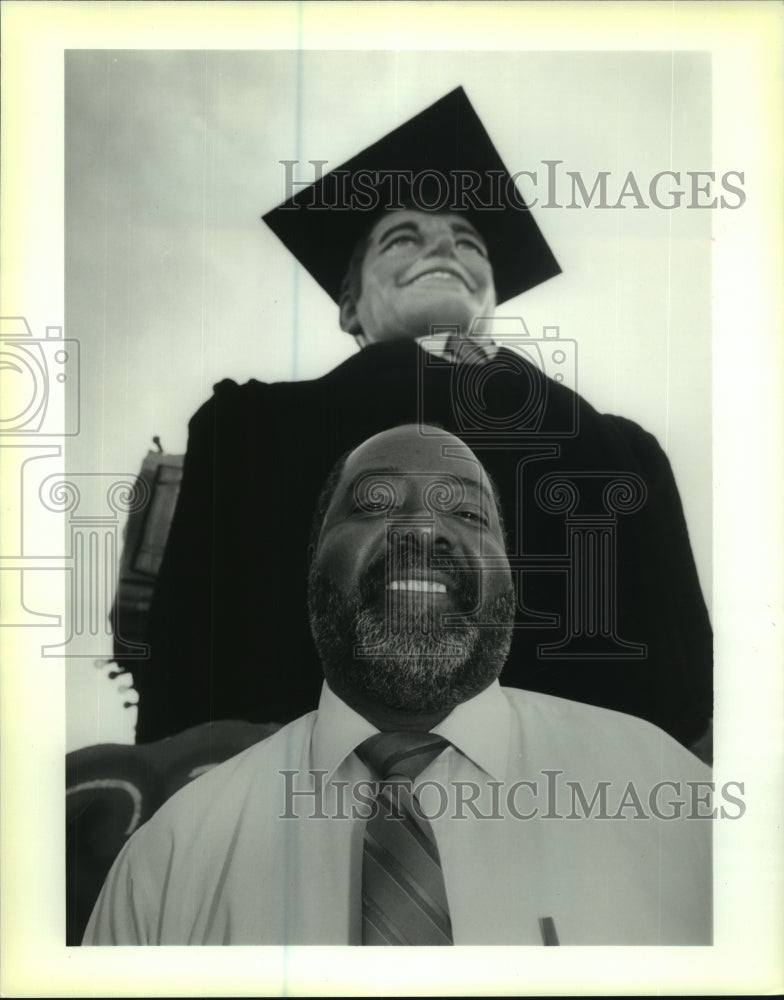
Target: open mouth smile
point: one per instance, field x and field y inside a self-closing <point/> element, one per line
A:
<point x="441" y="274"/>
<point x="418" y="586"/>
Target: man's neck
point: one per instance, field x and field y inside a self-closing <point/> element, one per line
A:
<point x="388" y="719"/>
<point x="437" y="344"/>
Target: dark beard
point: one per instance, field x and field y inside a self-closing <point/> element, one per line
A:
<point x="410" y="661"/>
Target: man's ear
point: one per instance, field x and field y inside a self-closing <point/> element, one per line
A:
<point x="348" y="315"/>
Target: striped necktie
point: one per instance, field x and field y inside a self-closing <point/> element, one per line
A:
<point x="403" y="895"/>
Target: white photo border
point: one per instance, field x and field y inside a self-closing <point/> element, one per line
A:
<point x="744" y="39"/>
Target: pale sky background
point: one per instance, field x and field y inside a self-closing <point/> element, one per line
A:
<point x="172" y="282"/>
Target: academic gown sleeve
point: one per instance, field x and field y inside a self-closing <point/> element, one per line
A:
<point x="227" y="631"/>
<point x="173" y="680"/>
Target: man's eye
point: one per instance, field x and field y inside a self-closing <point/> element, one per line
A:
<point x="473" y="516"/>
<point x="471" y="245"/>
<point x="371" y="507"/>
<point x="399" y="242"/>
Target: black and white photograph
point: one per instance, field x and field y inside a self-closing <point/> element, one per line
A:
<point x="385" y="572"/>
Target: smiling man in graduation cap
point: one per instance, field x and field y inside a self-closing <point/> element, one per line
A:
<point x="417" y="240"/>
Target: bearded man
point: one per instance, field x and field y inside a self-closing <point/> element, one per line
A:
<point x="423" y="803"/>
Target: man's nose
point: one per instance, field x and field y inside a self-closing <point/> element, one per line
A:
<point x="424" y="531"/>
<point x="442" y="245"/>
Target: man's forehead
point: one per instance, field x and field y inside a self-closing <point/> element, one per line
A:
<point x="417" y="219"/>
<point x="425" y="456"/>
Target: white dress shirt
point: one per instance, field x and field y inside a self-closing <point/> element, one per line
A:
<point x="235" y="858"/>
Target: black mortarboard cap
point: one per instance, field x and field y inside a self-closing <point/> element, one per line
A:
<point x="441" y="159"/>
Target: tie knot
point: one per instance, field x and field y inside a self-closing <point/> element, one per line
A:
<point x="404" y="754"/>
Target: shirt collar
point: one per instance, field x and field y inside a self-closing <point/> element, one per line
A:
<point x="337" y="732"/>
<point x="479" y="728"/>
<point x="436" y="344"/>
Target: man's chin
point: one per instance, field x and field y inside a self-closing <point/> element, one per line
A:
<point x="414" y="634"/>
<point x="418" y="315"/>
<point x="448" y="309"/>
<point x="414" y="612"/>
<point x="420" y="667"/>
<point x="417" y="664"/>
<point x="407" y="682"/>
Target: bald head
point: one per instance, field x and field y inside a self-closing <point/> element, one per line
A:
<point x="430" y="454"/>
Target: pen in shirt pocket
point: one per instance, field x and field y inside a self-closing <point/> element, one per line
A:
<point x="547" y="928"/>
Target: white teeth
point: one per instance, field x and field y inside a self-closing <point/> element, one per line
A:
<point x="439" y="275"/>
<point x="422" y="586"/>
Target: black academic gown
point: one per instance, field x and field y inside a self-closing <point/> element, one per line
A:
<point x="229" y="630"/>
